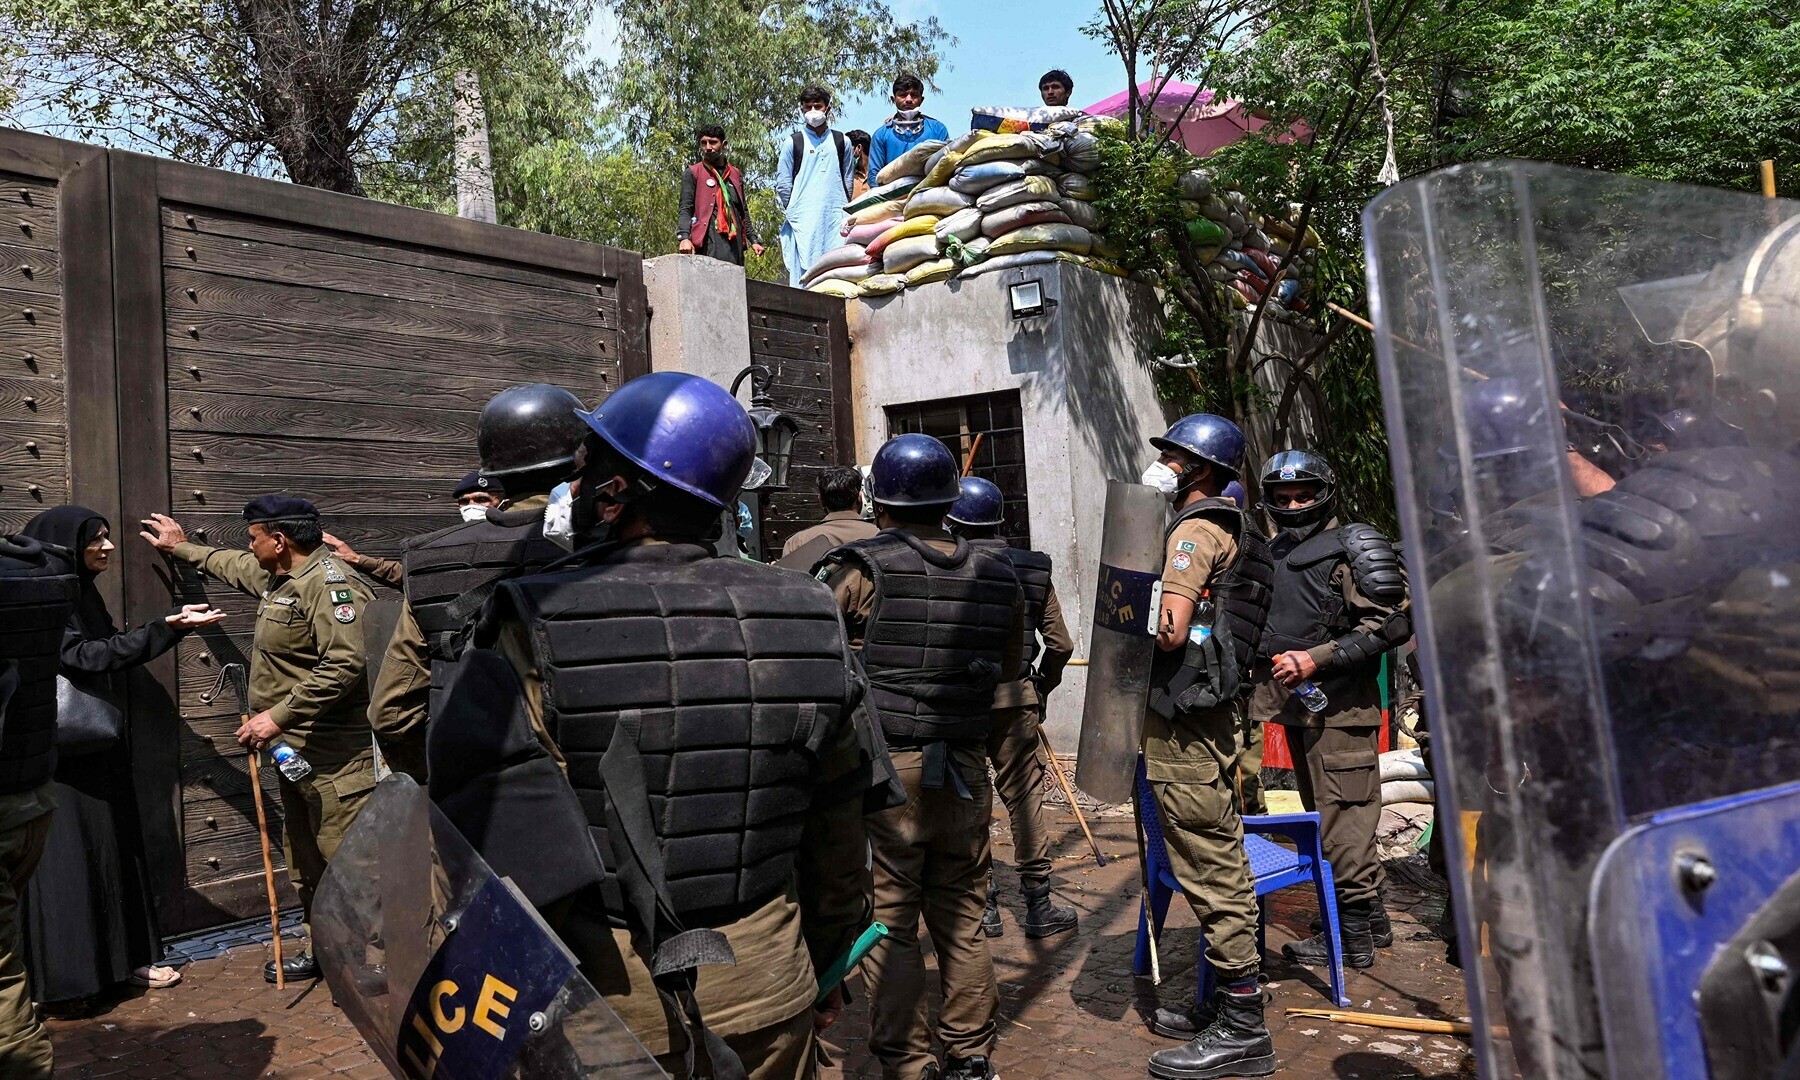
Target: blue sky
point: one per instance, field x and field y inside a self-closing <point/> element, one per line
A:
<point x="1002" y="47"/>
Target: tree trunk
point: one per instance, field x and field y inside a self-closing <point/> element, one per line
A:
<point x="474" y="161"/>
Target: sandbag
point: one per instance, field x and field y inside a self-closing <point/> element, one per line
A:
<point x="938" y="201"/>
<point x="882" y="284"/>
<point x="1240" y="261"/>
<point x="881" y="211"/>
<point x="1007" y="262"/>
<point x="1408" y="791"/>
<point x="1237" y="223"/>
<point x="1241" y="296"/>
<point x="927" y="272"/>
<point x="965" y="224"/>
<point x="903" y="255"/>
<point x="911" y="163"/>
<point x="966" y="253"/>
<point x="1024" y="189"/>
<point x="1220" y="271"/>
<point x="1081" y="152"/>
<point x="854" y="272"/>
<point x="1058" y="237"/>
<point x="1404" y="765"/>
<point x="1263" y="262"/>
<point x="899" y="189"/>
<point x="1104" y="248"/>
<point x="1080" y="213"/>
<point x="1206" y="232"/>
<point x="848" y="255"/>
<point x="975" y="179"/>
<point x="862" y="234"/>
<point x="1000" y="148"/>
<point x="845" y="290"/>
<point x="918" y="226"/>
<point x="1206" y="255"/>
<point x="1255" y="239"/>
<point x="1216" y="211"/>
<point x="1077" y="186"/>
<point x="1194" y="184"/>
<point x="941" y="167"/>
<point x="1001" y="222"/>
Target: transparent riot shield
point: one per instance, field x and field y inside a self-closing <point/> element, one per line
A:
<point x="1123" y="642"/>
<point x="1592" y="385"/>
<point x="444" y="968"/>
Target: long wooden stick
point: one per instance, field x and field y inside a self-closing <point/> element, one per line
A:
<point x="974" y="448"/>
<point x="262" y="833"/>
<point x="1381" y="1020"/>
<point x="1069" y="790"/>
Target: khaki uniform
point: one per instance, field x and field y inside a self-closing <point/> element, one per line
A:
<point x="839" y="527"/>
<point x="385" y="571"/>
<point x="1337" y="760"/>
<point x="1191" y="763"/>
<point x="400" y="700"/>
<point x="762" y="1005"/>
<point x="306" y="671"/>
<point x="1018" y="753"/>
<point x="931" y="856"/>
<point x="25" y="1051"/>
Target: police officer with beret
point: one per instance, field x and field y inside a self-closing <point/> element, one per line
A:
<point x="940" y="624"/>
<point x="306" y="676"/>
<point x="527" y="437"/>
<point x="702" y="707"/>
<point x="1215" y="598"/>
<point x="1015" y="745"/>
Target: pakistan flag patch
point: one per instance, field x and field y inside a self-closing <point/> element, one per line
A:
<point x="1185" y="545"/>
<point x="340" y="596"/>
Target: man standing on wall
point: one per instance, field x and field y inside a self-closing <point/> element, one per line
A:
<point x="859" y="147"/>
<point x="1340" y="604"/>
<point x="1015" y="745"/>
<point x="908" y="125"/>
<point x="306" y="677"/>
<point x="813" y="178"/>
<point x="714" y="214"/>
<point x="910" y="584"/>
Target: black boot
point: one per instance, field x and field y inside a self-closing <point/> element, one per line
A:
<point x="969" y="1068"/>
<point x="297" y="968"/>
<point x="1042" y="918"/>
<point x="1379" y="927"/>
<point x="1236" y="1043"/>
<point x="1184" y="1024"/>
<point x="1353" y="927"/>
<point x="990" y="916"/>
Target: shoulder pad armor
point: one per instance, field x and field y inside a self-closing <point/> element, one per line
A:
<point x="1374" y="563"/>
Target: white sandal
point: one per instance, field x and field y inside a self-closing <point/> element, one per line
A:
<point x="155" y="976"/>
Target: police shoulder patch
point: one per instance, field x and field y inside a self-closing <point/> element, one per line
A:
<point x="344" y="613"/>
<point x="1181" y="561"/>
<point x="1186" y="545"/>
<point x="333" y="576"/>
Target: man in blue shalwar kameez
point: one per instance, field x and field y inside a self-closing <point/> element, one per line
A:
<point x="812" y="183"/>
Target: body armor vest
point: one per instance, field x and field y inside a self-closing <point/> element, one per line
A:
<point x="1033" y="570"/>
<point x="1239" y="599"/>
<point x="732" y="673"/>
<point x="937" y="636"/>
<point x="37" y="595"/>
<point x="1309" y="611"/>
<point x="446" y="565"/>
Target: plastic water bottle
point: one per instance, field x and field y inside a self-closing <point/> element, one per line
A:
<point x="1311" y="696"/>
<point x="289" y="761"/>
<point x="1201" y="628"/>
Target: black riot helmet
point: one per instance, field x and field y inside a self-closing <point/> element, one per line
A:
<point x="1299" y="467"/>
<point x="529" y="429"/>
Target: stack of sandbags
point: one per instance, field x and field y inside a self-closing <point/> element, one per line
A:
<point x="988" y="200"/>
<point x="1242" y="249"/>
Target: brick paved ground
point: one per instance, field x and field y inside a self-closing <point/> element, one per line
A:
<point x="1070" y="1007"/>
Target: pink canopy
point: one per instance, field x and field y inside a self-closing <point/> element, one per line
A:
<point x="1204" y="122"/>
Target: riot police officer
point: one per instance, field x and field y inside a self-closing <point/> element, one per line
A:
<point x="1340" y="604"/>
<point x="940" y="624"/>
<point x="527" y="437"/>
<point x="1014" y="744"/>
<point x="37" y="590"/>
<point x="1215" y="597"/>
<point x="703" y="708"/>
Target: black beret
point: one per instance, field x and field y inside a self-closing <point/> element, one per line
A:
<point x="267" y="508"/>
<point x="470" y="484"/>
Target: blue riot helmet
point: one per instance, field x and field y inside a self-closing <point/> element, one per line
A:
<point x="980" y="503"/>
<point x="681" y="430"/>
<point x="1499" y="422"/>
<point x="1236" y="493"/>
<point x="1299" y="467"/>
<point x="914" y="470"/>
<point x="1210" y="438"/>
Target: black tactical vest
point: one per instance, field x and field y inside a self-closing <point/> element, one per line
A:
<point x="1309" y="610"/>
<point x="937" y="636"/>
<point x="734" y="674"/>
<point x="1239" y="598"/>
<point x="445" y="565"/>
<point x="1033" y="570"/>
<point x="37" y="594"/>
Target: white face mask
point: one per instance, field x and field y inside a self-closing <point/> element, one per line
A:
<point x="473" y="512"/>
<point x="815" y="117"/>
<point x="1162" y="478"/>
<point x="559" y="518"/>
<point x="908" y="114"/>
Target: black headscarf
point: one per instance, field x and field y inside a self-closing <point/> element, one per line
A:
<point x="74" y="528"/>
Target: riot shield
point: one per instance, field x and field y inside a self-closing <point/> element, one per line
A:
<point x="1610" y="641"/>
<point x="444" y="968"/>
<point x="1123" y="642"/>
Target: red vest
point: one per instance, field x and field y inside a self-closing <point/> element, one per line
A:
<point x="705" y="193"/>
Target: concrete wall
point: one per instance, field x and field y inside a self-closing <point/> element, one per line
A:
<point x="1083" y="375"/>
<point x="699" y="317"/>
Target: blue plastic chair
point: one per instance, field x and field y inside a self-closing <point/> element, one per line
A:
<point x="1271" y="867"/>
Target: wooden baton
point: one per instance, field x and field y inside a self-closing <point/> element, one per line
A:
<point x="262" y="833"/>
<point x="1069" y="790"/>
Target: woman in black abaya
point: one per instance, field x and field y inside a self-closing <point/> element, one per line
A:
<point x="87" y="913"/>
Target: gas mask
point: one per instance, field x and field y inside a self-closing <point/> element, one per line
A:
<point x="559" y="518"/>
<point x="473" y="512"/>
<point x="815" y="117"/>
<point x="1162" y="478"/>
